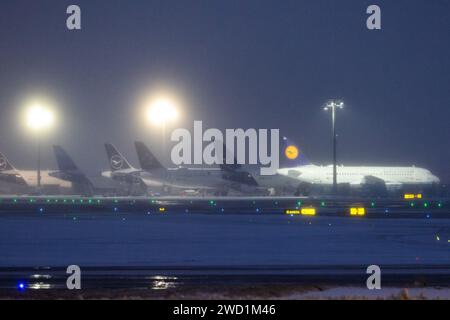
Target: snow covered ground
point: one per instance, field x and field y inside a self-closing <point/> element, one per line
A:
<point x="219" y="240"/>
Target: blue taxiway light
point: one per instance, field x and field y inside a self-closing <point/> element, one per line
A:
<point x="21" y="286"/>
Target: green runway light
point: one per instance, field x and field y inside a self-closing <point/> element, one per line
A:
<point x="425" y="204"/>
<point x="412" y="204"/>
<point x="322" y="204"/>
<point x="372" y="204"/>
<point x="440" y="205"/>
<point x="299" y="203"/>
<point x="90" y="200"/>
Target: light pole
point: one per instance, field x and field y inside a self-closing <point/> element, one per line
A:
<point x="333" y="105"/>
<point x="39" y="118"/>
<point x="162" y="111"/>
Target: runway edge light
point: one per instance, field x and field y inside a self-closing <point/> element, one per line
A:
<point x="308" y="211"/>
<point x="357" y="211"/>
<point x="409" y="196"/>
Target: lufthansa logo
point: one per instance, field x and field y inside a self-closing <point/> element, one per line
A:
<point x="116" y="162"/>
<point x="3" y="163"/>
<point x="291" y="152"/>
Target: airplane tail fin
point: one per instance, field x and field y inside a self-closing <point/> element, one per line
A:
<point x="5" y="165"/>
<point x="69" y="171"/>
<point x="291" y="155"/>
<point x="147" y="159"/>
<point x="116" y="160"/>
<point x="65" y="162"/>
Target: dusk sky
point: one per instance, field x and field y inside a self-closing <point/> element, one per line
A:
<point x="231" y="64"/>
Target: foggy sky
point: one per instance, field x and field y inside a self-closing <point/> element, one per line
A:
<point x="232" y="64"/>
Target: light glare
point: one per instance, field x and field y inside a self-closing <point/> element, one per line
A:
<point x="39" y="117"/>
<point x="162" y="111"/>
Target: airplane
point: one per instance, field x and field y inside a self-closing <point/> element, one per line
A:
<point x="273" y="185"/>
<point x="28" y="178"/>
<point x="210" y="178"/>
<point x="68" y="171"/>
<point x="296" y="166"/>
<point x="82" y="184"/>
<point x="183" y="181"/>
<point x="122" y="171"/>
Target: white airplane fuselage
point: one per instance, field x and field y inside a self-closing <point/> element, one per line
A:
<point x="30" y="178"/>
<point x="356" y="176"/>
<point x="184" y="180"/>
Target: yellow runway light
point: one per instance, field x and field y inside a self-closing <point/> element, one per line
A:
<point x="412" y="196"/>
<point x="303" y="211"/>
<point x="308" y="211"/>
<point x="357" y="211"/>
<point x="162" y="209"/>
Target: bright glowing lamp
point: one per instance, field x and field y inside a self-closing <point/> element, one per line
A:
<point x="162" y="111"/>
<point x="39" y="118"/>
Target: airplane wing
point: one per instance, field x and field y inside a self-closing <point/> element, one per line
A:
<point x="373" y="181"/>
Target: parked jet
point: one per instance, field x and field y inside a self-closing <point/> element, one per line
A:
<point x="170" y="181"/>
<point x="82" y="184"/>
<point x="28" y="178"/>
<point x="298" y="167"/>
<point x="272" y="184"/>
